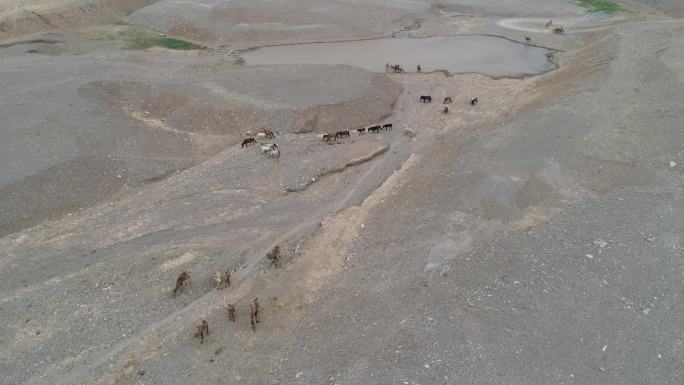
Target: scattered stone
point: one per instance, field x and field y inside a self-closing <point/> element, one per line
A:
<point x="299" y="374"/>
<point x="673" y="164"/>
<point x="589" y="256"/>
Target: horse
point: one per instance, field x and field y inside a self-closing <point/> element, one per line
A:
<point x="474" y="101"/>
<point x="256" y="309"/>
<point x="252" y="316"/>
<point x="260" y="135"/>
<point x="181" y="281"/>
<point x="425" y="98"/>
<point x="548" y="24"/>
<point x="269" y="134"/>
<point x="266" y="147"/>
<point x="418" y="69"/>
<point x="374" y="129"/>
<point x="274" y="255"/>
<point x="275" y="153"/>
<point x="202" y="329"/>
<point x="446" y="109"/>
<point x="559" y="30"/>
<point x="528" y="39"/>
<point x="387" y="126"/>
<point x="409" y="132"/>
<point x="226" y="279"/>
<point x="447" y="100"/>
<point x="341" y="134"/>
<point x="216" y="276"/>
<point x="248" y="142"/>
<point x="329" y="137"/>
<point x="231" y="312"/>
<point x="361" y="131"/>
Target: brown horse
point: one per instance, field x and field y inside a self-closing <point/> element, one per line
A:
<point x="446" y="109"/>
<point x="202" y="329"/>
<point x="181" y="281"/>
<point x="341" y="134"/>
<point x="269" y="134"/>
<point x="274" y="255"/>
<point x="256" y="309"/>
<point x="374" y="129"/>
<point x="474" y="101"/>
<point x="231" y="312"/>
<point x="361" y="131"/>
<point x="226" y="279"/>
<point x="252" y="316"/>
<point x="329" y="137"/>
<point x="248" y="142"/>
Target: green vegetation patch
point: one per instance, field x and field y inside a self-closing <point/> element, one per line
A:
<point x="601" y="6"/>
<point x="145" y="40"/>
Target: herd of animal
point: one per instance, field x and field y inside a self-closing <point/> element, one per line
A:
<point x="359" y="131"/>
<point x="270" y="149"/>
<point x="222" y="281"/>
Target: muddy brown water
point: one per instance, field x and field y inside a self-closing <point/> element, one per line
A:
<point x="488" y="55"/>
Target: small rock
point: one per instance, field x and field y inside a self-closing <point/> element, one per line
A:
<point x="363" y="226"/>
<point x="427" y="366"/>
<point x="299" y="374"/>
<point x="604" y="348"/>
<point x="673" y="164"/>
<point x="646" y="311"/>
<point x="589" y="256"/>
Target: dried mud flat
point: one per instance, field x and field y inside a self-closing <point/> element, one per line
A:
<point x="533" y="238"/>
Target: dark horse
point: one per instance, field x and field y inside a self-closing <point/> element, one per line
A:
<point x="447" y="100"/>
<point x="374" y="129"/>
<point x="361" y="131"/>
<point x="474" y="102"/>
<point x="341" y="134"/>
<point x="248" y="142"/>
<point x="425" y="98"/>
<point x="387" y="126"/>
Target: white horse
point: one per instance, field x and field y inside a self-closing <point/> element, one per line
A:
<point x="267" y="147"/>
<point x="275" y="153"/>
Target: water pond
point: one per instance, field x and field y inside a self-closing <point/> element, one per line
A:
<point x="488" y="55"/>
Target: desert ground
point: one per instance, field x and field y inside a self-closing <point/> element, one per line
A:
<point x="532" y="238"/>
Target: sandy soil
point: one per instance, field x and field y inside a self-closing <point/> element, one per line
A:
<point x="533" y="238"/>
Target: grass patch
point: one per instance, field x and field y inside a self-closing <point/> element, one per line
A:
<point x="601" y="6"/>
<point x="145" y="40"/>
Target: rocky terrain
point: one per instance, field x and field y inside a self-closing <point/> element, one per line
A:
<point x="533" y="238"/>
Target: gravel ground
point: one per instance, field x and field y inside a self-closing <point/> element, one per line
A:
<point x="534" y="238"/>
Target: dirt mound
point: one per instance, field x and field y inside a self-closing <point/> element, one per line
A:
<point x="17" y="18"/>
<point x="249" y="23"/>
<point x="237" y="102"/>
